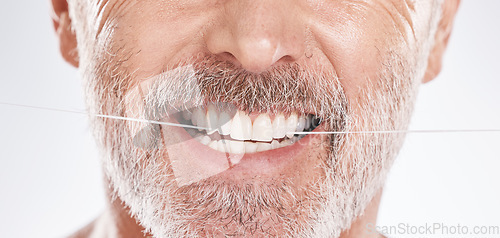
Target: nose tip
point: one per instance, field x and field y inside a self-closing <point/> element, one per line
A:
<point x="257" y="55"/>
<point x="257" y="35"/>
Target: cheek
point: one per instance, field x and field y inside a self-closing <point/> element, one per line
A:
<point x="358" y="39"/>
<point x="154" y="36"/>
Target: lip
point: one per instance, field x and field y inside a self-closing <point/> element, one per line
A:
<point x="198" y="161"/>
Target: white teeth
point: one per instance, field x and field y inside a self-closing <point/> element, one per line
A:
<point x="263" y="147"/>
<point x="266" y="134"/>
<point x="212" y="119"/>
<point x="193" y="118"/>
<point x="199" y="118"/>
<point x="308" y="123"/>
<point x="213" y="144"/>
<point x="237" y="147"/>
<point x="205" y="140"/>
<point x="286" y="143"/>
<point x="235" y="159"/>
<point x="223" y="146"/>
<point x="279" y="128"/>
<point x="241" y="126"/>
<point x="197" y="136"/>
<point x="301" y="123"/>
<point x="291" y="125"/>
<point x="250" y="147"/>
<point x="262" y="128"/>
<point x="275" y="144"/>
<point x="243" y="147"/>
<point x="186" y="115"/>
<point x="224" y="123"/>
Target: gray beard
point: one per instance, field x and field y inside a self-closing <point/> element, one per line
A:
<point x="354" y="168"/>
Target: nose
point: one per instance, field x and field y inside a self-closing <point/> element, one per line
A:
<point x="257" y="34"/>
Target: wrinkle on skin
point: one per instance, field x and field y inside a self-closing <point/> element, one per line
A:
<point x="104" y="10"/>
<point x="371" y="49"/>
<point x="410" y="4"/>
<point x="357" y="42"/>
<point x="349" y="24"/>
<point x="403" y="15"/>
<point x="398" y="11"/>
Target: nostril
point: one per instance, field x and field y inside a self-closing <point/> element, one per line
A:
<point x="255" y="60"/>
<point x="284" y="60"/>
<point x="227" y="56"/>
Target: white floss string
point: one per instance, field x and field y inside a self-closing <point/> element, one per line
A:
<point x="107" y="116"/>
<point x="395" y="132"/>
<point x="296" y="133"/>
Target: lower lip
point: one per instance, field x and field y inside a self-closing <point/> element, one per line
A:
<point x="259" y="163"/>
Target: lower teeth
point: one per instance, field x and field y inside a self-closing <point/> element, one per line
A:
<point x="225" y="144"/>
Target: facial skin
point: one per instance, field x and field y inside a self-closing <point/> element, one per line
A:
<point x="355" y="64"/>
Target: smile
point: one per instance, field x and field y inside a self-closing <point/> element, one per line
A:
<point x="237" y="132"/>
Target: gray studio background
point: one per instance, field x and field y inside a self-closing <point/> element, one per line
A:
<point x="50" y="179"/>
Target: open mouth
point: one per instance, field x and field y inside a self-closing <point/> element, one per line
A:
<point x="236" y="132"/>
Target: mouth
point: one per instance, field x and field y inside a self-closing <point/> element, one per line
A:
<point x="236" y="146"/>
<point x="237" y="132"/>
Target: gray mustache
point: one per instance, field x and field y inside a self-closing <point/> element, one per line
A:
<point x="285" y="89"/>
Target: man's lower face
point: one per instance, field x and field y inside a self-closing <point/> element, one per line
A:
<point x="254" y="177"/>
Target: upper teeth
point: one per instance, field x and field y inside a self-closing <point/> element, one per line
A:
<point x="240" y="126"/>
<point x="238" y="134"/>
